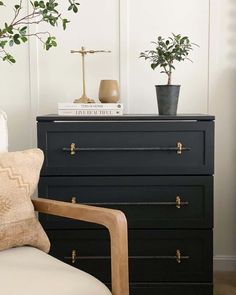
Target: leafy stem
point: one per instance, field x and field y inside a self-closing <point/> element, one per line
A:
<point x="15" y="32"/>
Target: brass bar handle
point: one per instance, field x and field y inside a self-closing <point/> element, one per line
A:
<point x="177" y="203"/>
<point x="179" y="148"/>
<point x="178" y="256"/>
<point x="73" y="200"/>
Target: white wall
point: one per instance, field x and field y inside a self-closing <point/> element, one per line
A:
<point x="14" y="93"/>
<point x="222" y="88"/>
<point x="41" y="79"/>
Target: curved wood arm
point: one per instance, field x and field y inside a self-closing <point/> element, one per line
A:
<point x="113" y="220"/>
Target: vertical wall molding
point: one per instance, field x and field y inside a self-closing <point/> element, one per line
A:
<point x="33" y="83"/>
<point x="209" y="52"/>
<point x="124" y="52"/>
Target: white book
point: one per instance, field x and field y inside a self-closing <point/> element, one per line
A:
<point x="92" y="112"/>
<point x="93" y="106"/>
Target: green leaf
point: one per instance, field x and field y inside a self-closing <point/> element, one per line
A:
<point x="9" y="29"/>
<point x="23" y="30"/>
<point x="24" y="39"/>
<point x="153" y="66"/>
<point x="64" y="23"/>
<point x="9" y="58"/>
<point x="3" y="43"/>
<point x="41" y="4"/>
<point x="1" y="3"/>
<point x="16" y="39"/>
<point x="75" y="9"/>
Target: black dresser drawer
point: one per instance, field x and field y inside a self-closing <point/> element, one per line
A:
<point x="171" y="289"/>
<point x="148" y="202"/>
<point x="133" y="148"/>
<point x="154" y="255"/>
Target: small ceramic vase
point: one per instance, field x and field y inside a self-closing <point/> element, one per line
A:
<point x="109" y="91"/>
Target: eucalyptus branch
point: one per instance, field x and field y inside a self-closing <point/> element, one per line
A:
<point x="37" y="35"/>
<point x="30" y="16"/>
<point x="166" y="52"/>
<point x="17" y="11"/>
<point x="42" y="11"/>
<point x="31" y="22"/>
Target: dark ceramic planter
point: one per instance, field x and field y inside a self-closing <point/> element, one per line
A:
<point x="167" y="99"/>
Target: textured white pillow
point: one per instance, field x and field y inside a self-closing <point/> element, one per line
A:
<point x="3" y="132"/>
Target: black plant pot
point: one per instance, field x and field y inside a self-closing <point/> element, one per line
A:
<point x="167" y="99"/>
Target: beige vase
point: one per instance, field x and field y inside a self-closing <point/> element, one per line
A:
<point x="109" y="91"/>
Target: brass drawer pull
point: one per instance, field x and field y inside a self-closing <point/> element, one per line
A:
<point x="178" y="202"/>
<point x="179" y="148"/>
<point x="178" y="256"/>
<point x="72" y="149"/>
<point x="73" y="256"/>
<point x="74" y="200"/>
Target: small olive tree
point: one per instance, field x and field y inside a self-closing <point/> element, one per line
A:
<point x="15" y="31"/>
<point x="167" y="51"/>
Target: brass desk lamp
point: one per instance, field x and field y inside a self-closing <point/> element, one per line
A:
<point x="83" y="52"/>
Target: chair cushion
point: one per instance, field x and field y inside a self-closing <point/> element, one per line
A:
<point x="19" y="174"/>
<point x="29" y="271"/>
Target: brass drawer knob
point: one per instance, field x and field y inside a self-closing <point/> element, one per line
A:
<point x="179" y="148"/>
<point x="178" y="256"/>
<point x="73" y="200"/>
<point x="72" y="149"/>
<point x="73" y="256"/>
<point x="178" y="202"/>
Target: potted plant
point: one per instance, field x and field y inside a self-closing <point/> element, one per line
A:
<point x="16" y="31"/>
<point x="166" y="52"/>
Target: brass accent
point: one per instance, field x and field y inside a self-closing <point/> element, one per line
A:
<point x="73" y="200"/>
<point x="83" y="52"/>
<point x="72" y="149"/>
<point x="178" y="202"/>
<point x="179" y="148"/>
<point x="73" y="256"/>
<point x="178" y="256"/>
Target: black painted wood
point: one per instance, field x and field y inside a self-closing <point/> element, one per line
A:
<point x="125" y="118"/>
<point x="171" y="289"/>
<point x="147" y="201"/>
<point x="131" y="163"/>
<point x="197" y="138"/>
<point x="152" y="254"/>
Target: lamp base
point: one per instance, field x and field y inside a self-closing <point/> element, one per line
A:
<point x="84" y="99"/>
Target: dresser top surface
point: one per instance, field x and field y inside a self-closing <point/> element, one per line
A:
<point x="133" y="117"/>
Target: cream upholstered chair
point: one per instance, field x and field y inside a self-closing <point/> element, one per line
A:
<point x="28" y="271"/>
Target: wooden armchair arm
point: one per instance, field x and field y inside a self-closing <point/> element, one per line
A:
<point x="113" y="220"/>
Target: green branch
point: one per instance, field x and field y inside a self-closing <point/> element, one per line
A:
<point x="15" y="32"/>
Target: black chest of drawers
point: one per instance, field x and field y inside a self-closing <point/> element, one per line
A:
<point x="159" y="171"/>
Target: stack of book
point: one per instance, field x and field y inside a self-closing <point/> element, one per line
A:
<point x="90" y="109"/>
